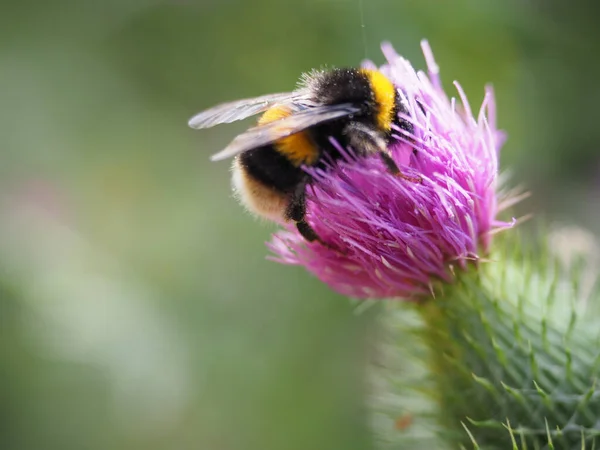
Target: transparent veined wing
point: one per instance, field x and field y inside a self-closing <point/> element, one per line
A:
<point x="241" y="109"/>
<point x="273" y="131"/>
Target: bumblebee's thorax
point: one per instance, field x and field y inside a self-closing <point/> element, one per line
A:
<point x="366" y="87"/>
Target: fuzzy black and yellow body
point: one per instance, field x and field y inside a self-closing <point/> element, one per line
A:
<point x="358" y="108"/>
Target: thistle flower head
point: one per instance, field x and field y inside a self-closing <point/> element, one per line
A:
<point x="390" y="237"/>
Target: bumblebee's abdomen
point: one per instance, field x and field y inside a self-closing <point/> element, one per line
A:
<point x="271" y="168"/>
<point x="298" y="148"/>
<point x="264" y="180"/>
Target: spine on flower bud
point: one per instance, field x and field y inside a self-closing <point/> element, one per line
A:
<point x="512" y="362"/>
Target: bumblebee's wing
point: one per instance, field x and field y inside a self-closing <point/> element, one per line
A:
<point x="273" y="131"/>
<point x="240" y="109"/>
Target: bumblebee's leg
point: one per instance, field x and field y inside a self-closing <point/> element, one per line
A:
<point x="368" y="141"/>
<point x="296" y="211"/>
<point x="307" y="231"/>
<point x="407" y="125"/>
<point x="393" y="168"/>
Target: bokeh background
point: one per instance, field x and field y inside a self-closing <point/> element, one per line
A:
<point x="137" y="309"/>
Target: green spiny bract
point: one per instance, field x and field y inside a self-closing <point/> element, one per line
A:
<point x="512" y="361"/>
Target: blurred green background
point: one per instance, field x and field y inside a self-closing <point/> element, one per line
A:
<point x="137" y="310"/>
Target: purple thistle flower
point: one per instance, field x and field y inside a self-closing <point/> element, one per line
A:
<point x="391" y="237"/>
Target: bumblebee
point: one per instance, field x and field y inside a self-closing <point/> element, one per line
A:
<point x="355" y="107"/>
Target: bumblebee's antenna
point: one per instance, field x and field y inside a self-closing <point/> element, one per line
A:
<point x="361" y="7"/>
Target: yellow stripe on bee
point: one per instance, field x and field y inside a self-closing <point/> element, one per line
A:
<point x="385" y="97"/>
<point x="297" y="148"/>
